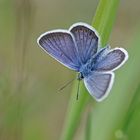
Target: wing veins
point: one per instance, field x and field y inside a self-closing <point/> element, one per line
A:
<point x="96" y="84"/>
<point x="90" y="46"/>
<point x="60" y="48"/>
<point x="51" y="44"/>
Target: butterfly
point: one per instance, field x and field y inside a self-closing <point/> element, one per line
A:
<point x="79" y="49"/>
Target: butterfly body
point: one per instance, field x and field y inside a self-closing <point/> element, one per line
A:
<point x="90" y="66"/>
<point x="85" y="69"/>
<point x="79" y="49"/>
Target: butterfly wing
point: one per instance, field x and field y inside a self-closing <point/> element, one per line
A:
<point x="87" y="40"/>
<point x="99" y="84"/>
<point x="112" y="60"/>
<point x="61" y="46"/>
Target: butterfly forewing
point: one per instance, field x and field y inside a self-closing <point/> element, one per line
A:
<point x="86" y="39"/>
<point x="99" y="84"/>
<point x="61" y="46"/>
<point x="111" y="61"/>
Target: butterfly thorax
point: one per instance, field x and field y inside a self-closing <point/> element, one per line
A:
<point x="85" y="70"/>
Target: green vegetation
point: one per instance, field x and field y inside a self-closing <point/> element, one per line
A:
<point x="30" y="107"/>
<point x="103" y="22"/>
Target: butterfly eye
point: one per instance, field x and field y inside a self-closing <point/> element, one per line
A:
<point x="80" y="76"/>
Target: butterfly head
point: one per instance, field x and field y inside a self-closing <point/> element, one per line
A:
<point x="80" y="76"/>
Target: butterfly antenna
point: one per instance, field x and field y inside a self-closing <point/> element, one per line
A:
<point x="66" y="84"/>
<point x="78" y="89"/>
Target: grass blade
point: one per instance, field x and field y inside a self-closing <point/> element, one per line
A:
<point x="103" y="22"/>
<point x="109" y="115"/>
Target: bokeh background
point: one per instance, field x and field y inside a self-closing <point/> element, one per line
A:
<point x="31" y="108"/>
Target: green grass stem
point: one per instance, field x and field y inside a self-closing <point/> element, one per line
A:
<point x="103" y="22"/>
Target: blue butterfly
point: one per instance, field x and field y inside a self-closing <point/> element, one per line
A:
<point x="79" y="49"/>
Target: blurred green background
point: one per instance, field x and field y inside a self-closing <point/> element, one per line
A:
<point x="31" y="108"/>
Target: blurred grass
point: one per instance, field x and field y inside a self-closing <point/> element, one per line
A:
<point x="40" y="114"/>
<point x="131" y="127"/>
<point x="103" y="23"/>
<point x="104" y="19"/>
<point x="108" y="116"/>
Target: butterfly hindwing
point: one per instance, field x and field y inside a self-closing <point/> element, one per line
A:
<point x="61" y="46"/>
<point x="99" y="84"/>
